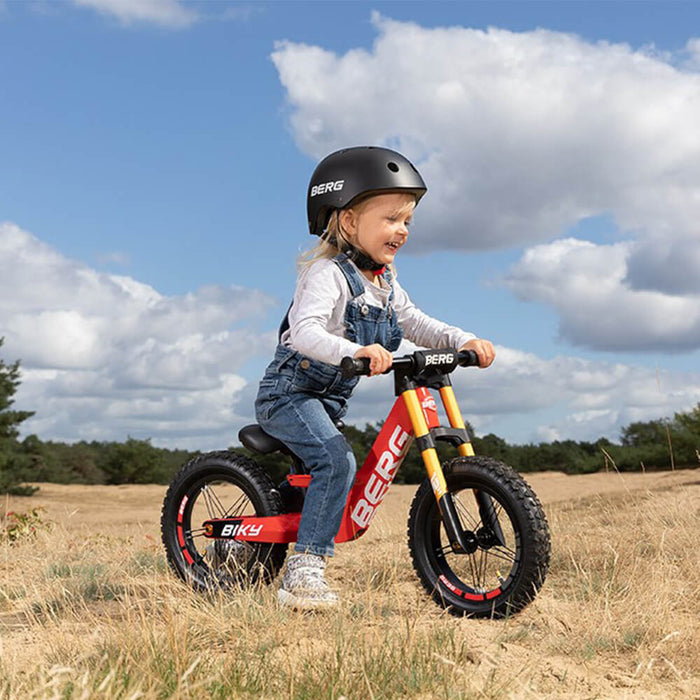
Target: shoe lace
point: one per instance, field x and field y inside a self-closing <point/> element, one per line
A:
<point x="309" y="574"/>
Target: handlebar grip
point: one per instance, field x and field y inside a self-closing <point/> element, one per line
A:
<point x="357" y="366"/>
<point x="353" y="367"/>
<point x="467" y="358"/>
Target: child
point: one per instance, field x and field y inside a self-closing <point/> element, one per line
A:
<point x="347" y="302"/>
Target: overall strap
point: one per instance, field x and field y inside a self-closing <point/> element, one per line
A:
<point x="357" y="286"/>
<point x="284" y="326"/>
<point x="388" y="277"/>
<point x="351" y="275"/>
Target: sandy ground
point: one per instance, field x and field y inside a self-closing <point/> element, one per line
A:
<point x="132" y="507"/>
<point x="536" y="643"/>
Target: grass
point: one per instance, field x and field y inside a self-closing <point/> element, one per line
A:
<point x="88" y="610"/>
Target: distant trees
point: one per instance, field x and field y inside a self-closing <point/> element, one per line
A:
<point x="654" y="445"/>
<point x="131" y="462"/>
<point x="686" y="437"/>
<point x="14" y="463"/>
<point x="662" y="444"/>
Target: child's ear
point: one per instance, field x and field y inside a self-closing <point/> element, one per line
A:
<point x="348" y="221"/>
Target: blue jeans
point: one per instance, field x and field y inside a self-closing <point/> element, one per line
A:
<point x="305" y="422"/>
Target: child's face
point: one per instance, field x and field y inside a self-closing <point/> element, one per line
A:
<point x="379" y="226"/>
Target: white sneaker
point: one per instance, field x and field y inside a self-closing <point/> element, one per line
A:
<point x="303" y="585"/>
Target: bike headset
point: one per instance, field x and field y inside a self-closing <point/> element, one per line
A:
<point x="345" y="177"/>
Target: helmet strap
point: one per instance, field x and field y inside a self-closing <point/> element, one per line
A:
<point x="364" y="262"/>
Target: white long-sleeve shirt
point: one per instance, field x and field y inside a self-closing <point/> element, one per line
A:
<point x="317" y="315"/>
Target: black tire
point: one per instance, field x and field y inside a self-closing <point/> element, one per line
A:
<point x="214" y="485"/>
<point x="498" y="578"/>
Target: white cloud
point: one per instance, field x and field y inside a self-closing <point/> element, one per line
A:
<point x="562" y="398"/>
<point x="520" y="136"/>
<point x="115" y="257"/>
<point x="166" y="13"/>
<point x="241" y="13"/>
<point x="692" y="49"/>
<point x="667" y="263"/>
<point x="104" y="356"/>
<point x="586" y="284"/>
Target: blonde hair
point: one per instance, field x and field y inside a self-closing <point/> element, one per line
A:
<point x="335" y="239"/>
<point x="332" y="241"/>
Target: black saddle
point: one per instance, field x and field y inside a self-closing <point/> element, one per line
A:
<point x="257" y="440"/>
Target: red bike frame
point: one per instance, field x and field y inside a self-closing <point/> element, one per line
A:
<point x="413" y="415"/>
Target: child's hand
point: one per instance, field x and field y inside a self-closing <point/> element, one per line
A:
<point x="483" y="348"/>
<point x="380" y="358"/>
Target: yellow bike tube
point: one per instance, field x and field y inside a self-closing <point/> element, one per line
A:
<point x="454" y="415"/>
<point x="429" y="455"/>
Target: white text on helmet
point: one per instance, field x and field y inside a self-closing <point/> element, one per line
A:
<point x="327" y="187"/>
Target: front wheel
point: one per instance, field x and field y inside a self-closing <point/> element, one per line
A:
<point x="219" y="485"/>
<point x="507" y="528"/>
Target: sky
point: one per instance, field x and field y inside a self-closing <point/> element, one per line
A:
<point x="154" y="161"/>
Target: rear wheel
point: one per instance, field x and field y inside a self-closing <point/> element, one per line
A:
<point x="508" y="534"/>
<point x="219" y="485"/>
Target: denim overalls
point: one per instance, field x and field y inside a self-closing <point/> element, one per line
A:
<point x="299" y="401"/>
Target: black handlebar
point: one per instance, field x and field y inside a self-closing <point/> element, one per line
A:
<point x="438" y="361"/>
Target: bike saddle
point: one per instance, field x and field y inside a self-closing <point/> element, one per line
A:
<point x="256" y="439"/>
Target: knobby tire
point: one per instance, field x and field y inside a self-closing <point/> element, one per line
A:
<point x="504" y="573"/>
<point x="216" y="485"/>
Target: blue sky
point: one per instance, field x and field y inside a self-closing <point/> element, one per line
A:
<point x="154" y="158"/>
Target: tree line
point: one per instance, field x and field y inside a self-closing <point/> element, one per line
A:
<point x="651" y="445"/>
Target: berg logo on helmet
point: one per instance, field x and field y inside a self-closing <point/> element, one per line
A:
<point x="327" y="187"/>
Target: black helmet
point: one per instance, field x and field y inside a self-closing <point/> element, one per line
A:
<point x="343" y="176"/>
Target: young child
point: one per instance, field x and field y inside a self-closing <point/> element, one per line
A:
<point x="347" y="303"/>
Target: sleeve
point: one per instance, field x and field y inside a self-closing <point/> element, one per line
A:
<point x="316" y="319"/>
<point x="423" y="330"/>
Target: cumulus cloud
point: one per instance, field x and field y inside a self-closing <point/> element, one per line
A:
<point x="563" y="397"/>
<point x="520" y="136"/>
<point x="166" y="13"/>
<point x="585" y="284"/>
<point x="104" y="356"/>
<point x="669" y="264"/>
<point x="692" y="54"/>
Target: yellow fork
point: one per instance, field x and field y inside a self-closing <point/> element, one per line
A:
<point x="454" y="415"/>
<point x="426" y="445"/>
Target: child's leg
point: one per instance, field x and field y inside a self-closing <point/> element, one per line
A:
<point x="304" y="425"/>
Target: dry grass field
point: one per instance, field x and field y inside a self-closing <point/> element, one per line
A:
<point x="89" y="610"/>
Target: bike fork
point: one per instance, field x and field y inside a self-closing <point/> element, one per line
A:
<point x="460" y="540"/>
<point x="486" y="510"/>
